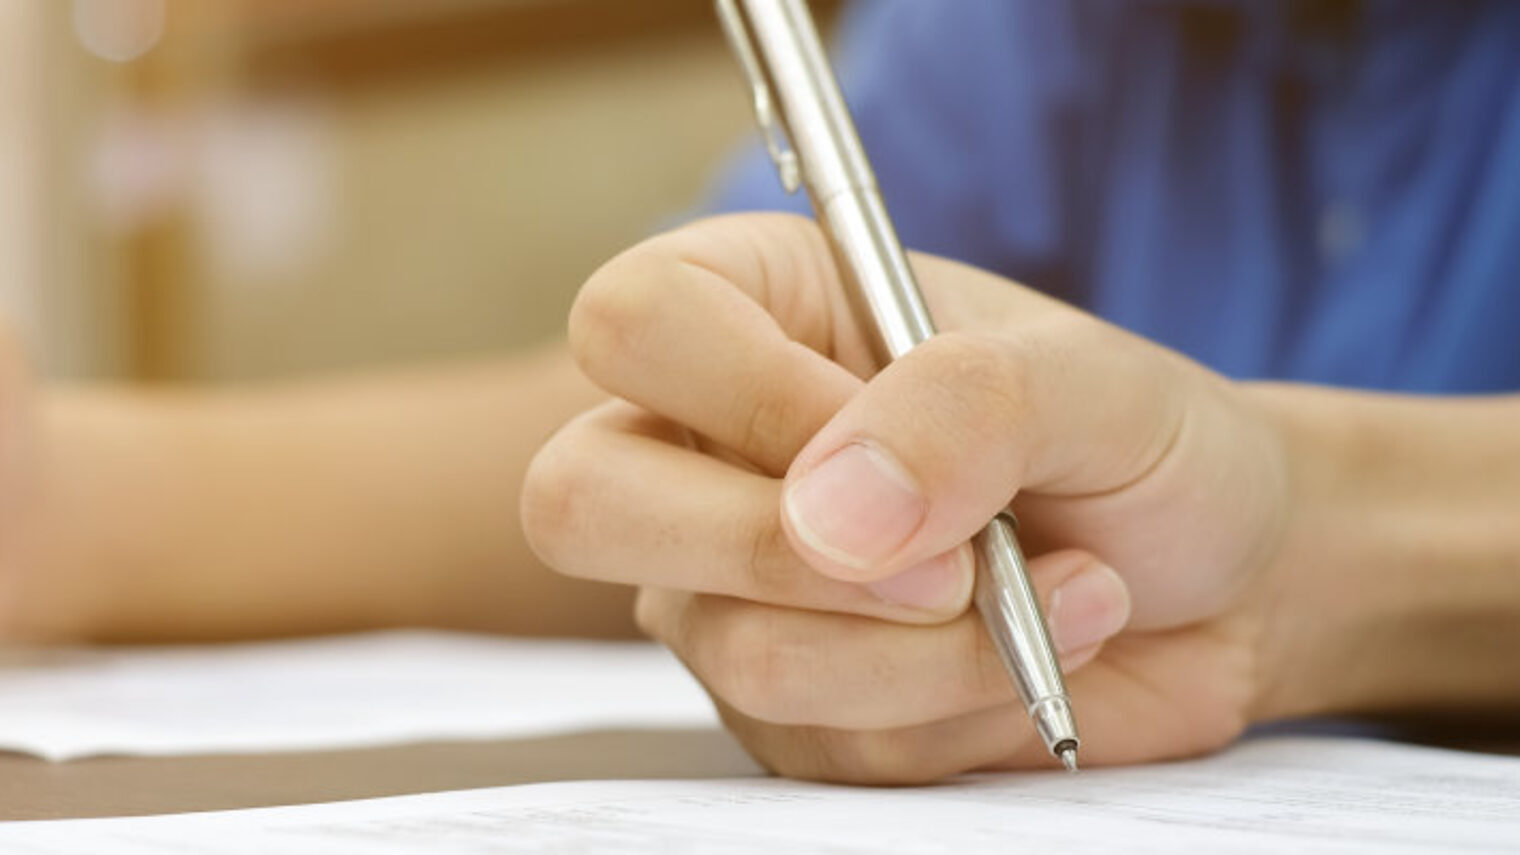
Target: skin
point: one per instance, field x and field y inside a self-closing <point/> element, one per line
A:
<point x="332" y="505"/>
<point x="796" y="521"/>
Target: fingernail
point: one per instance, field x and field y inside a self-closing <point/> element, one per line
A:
<point x="856" y="507"/>
<point x="940" y="584"/>
<point x="1090" y="607"/>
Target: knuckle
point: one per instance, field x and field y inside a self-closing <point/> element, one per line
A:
<point x="776" y="421"/>
<point x="984" y="370"/>
<point x="772" y="577"/>
<point x="615" y="313"/>
<point x="756" y="668"/>
<point x="742" y="665"/>
<point x="555" y="492"/>
<point x="772" y="417"/>
<point x="873" y="758"/>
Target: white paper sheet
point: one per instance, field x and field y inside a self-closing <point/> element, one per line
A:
<point x="1271" y="795"/>
<point x="340" y="692"/>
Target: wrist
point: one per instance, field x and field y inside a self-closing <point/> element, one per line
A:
<point x="1398" y="585"/>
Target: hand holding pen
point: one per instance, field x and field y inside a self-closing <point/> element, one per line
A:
<point x="797" y="517"/>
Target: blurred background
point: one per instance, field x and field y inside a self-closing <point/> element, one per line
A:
<point x="225" y="190"/>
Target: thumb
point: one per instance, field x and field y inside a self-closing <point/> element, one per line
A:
<point x="893" y="486"/>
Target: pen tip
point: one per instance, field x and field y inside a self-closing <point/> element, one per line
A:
<point x="1068" y="757"/>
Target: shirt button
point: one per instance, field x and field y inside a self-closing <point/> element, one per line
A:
<point x="1342" y="230"/>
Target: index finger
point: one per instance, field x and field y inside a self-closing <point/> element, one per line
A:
<point x="731" y="326"/>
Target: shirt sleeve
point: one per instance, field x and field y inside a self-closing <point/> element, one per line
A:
<point x="969" y="111"/>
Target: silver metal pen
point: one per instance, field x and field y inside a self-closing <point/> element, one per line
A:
<point x="798" y="101"/>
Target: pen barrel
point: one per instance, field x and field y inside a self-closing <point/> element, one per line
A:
<point x="875" y="271"/>
<point x="1011" y="611"/>
<point x="867" y="253"/>
<point x="812" y="107"/>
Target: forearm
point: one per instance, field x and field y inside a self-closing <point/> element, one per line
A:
<point x="320" y="507"/>
<point x="1402" y="570"/>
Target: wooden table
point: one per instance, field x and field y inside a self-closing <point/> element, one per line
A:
<point x="128" y="786"/>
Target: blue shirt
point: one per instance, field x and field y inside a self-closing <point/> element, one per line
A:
<point x="1315" y="191"/>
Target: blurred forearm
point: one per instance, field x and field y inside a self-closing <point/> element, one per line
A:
<point x="315" y="507"/>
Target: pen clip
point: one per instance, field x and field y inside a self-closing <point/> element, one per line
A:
<point x="771" y="130"/>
